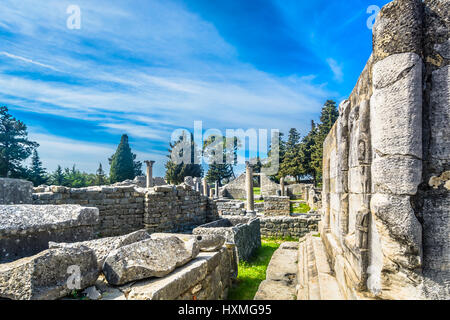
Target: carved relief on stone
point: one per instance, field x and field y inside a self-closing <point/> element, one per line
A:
<point x="364" y="146"/>
<point x="343" y="135"/>
<point x="343" y="218"/>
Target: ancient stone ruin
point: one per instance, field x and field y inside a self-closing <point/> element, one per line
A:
<point x="384" y="232"/>
<point x="378" y="229"/>
<point x="58" y="244"/>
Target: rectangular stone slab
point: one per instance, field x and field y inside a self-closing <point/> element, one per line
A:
<point x="26" y="229"/>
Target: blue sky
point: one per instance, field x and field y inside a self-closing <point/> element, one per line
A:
<point x="148" y="67"/>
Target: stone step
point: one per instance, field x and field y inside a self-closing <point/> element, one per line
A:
<point x="316" y="280"/>
<point x="281" y="275"/>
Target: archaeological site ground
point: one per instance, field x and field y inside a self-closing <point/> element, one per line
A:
<point x="357" y="209"/>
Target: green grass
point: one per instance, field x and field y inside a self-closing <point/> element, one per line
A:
<point x="252" y="273"/>
<point x="299" y="207"/>
<point x="257" y="191"/>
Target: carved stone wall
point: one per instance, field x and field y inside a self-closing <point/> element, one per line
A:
<point x="385" y="227"/>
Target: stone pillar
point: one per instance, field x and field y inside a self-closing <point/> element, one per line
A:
<point x="205" y="187"/>
<point x="149" y="173"/>
<point x="249" y="189"/>
<point x="197" y="183"/>
<point x="216" y="189"/>
<point x="282" y="187"/>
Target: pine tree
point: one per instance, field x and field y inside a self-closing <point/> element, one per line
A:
<point x="328" y="117"/>
<point x="290" y="165"/>
<point x="122" y="164"/>
<point x="100" y="178"/>
<point x="175" y="173"/>
<point x="293" y="139"/>
<point x="14" y="145"/>
<point x="219" y="172"/>
<point x="57" y="178"/>
<point x="36" y="173"/>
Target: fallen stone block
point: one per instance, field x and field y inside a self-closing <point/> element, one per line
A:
<point x="49" y="275"/>
<point x="205" y="242"/>
<point x="15" y="191"/>
<point x="103" y="247"/>
<point x="26" y="230"/>
<point x="148" y="258"/>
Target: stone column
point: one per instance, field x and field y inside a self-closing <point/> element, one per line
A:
<point x="216" y="189"/>
<point x="282" y="187"/>
<point x="249" y="189"/>
<point x="149" y="173"/>
<point x="197" y="182"/>
<point x="205" y="187"/>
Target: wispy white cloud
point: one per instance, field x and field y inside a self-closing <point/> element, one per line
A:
<point x="337" y="69"/>
<point x="12" y="56"/>
<point x="142" y="70"/>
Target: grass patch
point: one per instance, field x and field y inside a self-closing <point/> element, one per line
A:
<point x="253" y="272"/>
<point x="299" y="207"/>
<point x="257" y="191"/>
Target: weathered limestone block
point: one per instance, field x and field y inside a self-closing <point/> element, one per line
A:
<point x="48" y="275"/>
<point x="205" y="242"/>
<point x="396" y="175"/>
<point x="26" y="229"/>
<point x="205" y="278"/>
<point x="244" y="232"/>
<point x="440" y="114"/>
<point x="15" y="191"/>
<point x="148" y="258"/>
<point x="398" y="218"/>
<point x="398" y="29"/>
<point x="396" y="106"/>
<point x="103" y="247"/>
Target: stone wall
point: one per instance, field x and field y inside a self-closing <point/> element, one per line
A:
<point x="235" y="189"/>
<point x="230" y="207"/>
<point x="244" y="232"/>
<point x="25" y="230"/>
<point x="123" y="209"/>
<point x="385" y="225"/>
<point x="268" y="187"/>
<point x="180" y="210"/>
<point x="277" y="206"/>
<point x="15" y="191"/>
<point x="288" y="227"/>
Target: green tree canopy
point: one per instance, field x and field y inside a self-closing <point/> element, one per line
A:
<point x="57" y="177"/>
<point x="176" y="172"/>
<point x="14" y="145"/>
<point x="36" y="173"/>
<point x="100" y="178"/>
<point x="328" y="117"/>
<point x="122" y="162"/>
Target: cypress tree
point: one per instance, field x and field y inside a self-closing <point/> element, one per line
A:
<point x="122" y="165"/>
<point x="100" y="178"/>
<point x="37" y="173"/>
